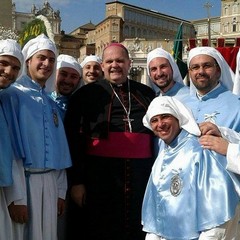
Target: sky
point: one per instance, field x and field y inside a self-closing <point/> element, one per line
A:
<point x="75" y="13"/>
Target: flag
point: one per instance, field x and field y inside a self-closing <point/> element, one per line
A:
<point x="177" y="52"/>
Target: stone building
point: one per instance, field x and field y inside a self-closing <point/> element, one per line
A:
<point x="6" y="14"/>
<point x="139" y="29"/>
<point x="125" y="21"/>
<point x="20" y="19"/>
<point x="66" y="44"/>
<point x="230" y="20"/>
<point x="87" y="35"/>
<point x="225" y="29"/>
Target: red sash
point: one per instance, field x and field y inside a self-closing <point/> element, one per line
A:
<point x="122" y="145"/>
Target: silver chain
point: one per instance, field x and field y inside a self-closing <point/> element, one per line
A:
<point x="129" y="106"/>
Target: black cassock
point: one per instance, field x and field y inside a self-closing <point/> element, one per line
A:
<point x="113" y="163"/>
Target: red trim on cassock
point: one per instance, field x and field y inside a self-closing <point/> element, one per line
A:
<point x="122" y="145"/>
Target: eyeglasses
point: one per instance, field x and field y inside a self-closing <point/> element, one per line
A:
<point x="206" y="66"/>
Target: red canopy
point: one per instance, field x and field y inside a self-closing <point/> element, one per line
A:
<point x="230" y="54"/>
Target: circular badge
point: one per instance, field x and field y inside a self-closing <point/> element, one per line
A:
<point x="176" y="185"/>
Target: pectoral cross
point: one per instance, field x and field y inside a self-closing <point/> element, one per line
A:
<point x="128" y="120"/>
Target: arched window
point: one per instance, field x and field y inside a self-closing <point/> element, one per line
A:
<point x="235" y="8"/>
<point x="234" y="25"/>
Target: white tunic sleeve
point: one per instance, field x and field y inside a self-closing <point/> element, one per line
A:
<point x="17" y="192"/>
<point x="233" y="157"/>
<point x="62" y="183"/>
<point x="229" y="134"/>
<point x="233" y="151"/>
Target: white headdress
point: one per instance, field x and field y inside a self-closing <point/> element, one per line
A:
<point x="170" y="105"/>
<point x="159" y="52"/>
<point x="35" y="45"/>
<point x="236" y="86"/>
<point x="91" y="58"/>
<point x="227" y="75"/>
<point x="64" y="60"/>
<point x="11" y="48"/>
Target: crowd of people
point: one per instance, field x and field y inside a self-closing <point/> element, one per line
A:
<point x="88" y="153"/>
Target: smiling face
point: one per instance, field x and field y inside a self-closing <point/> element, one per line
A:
<point x="92" y="72"/>
<point x="41" y="66"/>
<point x="67" y="80"/>
<point x="204" y="73"/>
<point x="116" y="64"/>
<point x="165" y="126"/>
<point x="9" y="70"/>
<point x="161" y="73"/>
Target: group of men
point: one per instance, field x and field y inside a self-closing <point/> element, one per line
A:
<point x="10" y="66"/>
<point x="34" y="148"/>
<point x="210" y="97"/>
<point x="93" y="121"/>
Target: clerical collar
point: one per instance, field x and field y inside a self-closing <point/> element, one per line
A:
<point x="118" y="85"/>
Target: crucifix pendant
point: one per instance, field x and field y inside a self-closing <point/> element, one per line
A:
<point x="129" y="120"/>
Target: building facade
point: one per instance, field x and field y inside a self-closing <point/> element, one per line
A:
<point x="225" y="29"/>
<point x="230" y="20"/>
<point x="6" y="14"/>
<point x="139" y="29"/>
<point x="20" y="19"/>
<point x="66" y="44"/>
<point x="125" y="21"/>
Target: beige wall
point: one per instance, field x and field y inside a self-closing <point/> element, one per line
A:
<point x="225" y="26"/>
<point x="6" y="13"/>
<point x="230" y="19"/>
<point x="125" y="21"/>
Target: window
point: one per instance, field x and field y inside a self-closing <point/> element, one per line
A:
<point x="234" y="27"/>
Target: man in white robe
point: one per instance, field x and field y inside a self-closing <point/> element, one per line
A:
<point x="190" y="194"/>
<point x="40" y="145"/>
<point x="91" y="69"/>
<point x="164" y="75"/>
<point x="211" y="85"/>
<point x="10" y="67"/>
<point x="165" y="79"/>
<point x="211" y="82"/>
<point x="68" y="80"/>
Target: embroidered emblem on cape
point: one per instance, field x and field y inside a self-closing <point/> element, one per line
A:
<point x="210" y="117"/>
<point x="176" y="185"/>
<point x="55" y="117"/>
